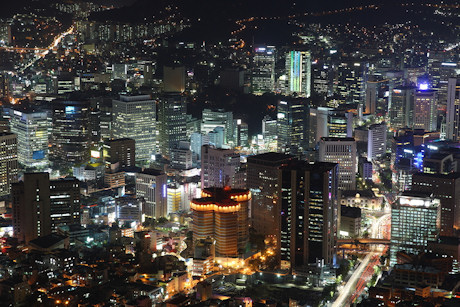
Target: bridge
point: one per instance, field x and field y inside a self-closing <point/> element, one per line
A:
<point x="363" y="241"/>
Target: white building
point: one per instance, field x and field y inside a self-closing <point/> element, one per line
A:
<point x="453" y="110"/>
<point x="343" y="152"/>
<point x="220" y="167"/>
<point x="376" y="141"/>
<point x="151" y="184"/>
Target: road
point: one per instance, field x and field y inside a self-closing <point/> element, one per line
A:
<point x="359" y="279"/>
<point x="43" y="53"/>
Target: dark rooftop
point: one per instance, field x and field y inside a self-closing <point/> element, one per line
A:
<point x="48" y="241"/>
<point x="353" y="212"/>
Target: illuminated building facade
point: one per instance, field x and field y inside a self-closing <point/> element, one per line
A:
<point x="122" y="151"/>
<point x="8" y="161"/>
<point x="262" y="180"/>
<point x="71" y="132"/>
<point x="292" y="126"/>
<point x="134" y="118"/>
<point x="212" y="119"/>
<point x="64" y="202"/>
<point x="222" y="214"/>
<point x="402" y="107"/>
<point x="220" y="167"/>
<point x="263" y="70"/>
<point x="446" y="187"/>
<point x="33" y="130"/>
<point x="298" y="68"/>
<point x="453" y="110"/>
<point x="343" y="152"/>
<point x="308" y="216"/>
<point x="151" y="185"/>
<point x="172" y="122"/>
<point x="425" y="109"/>
<point x="377" y="141"/>
<point x="415" y="220"/>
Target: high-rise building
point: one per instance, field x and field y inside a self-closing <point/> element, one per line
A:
<point x="270" y="132"/>
<point x="222" y="214"/>
<point x="263" y="70"/>
<point x="122" y="151"/>
<point x="8" y="161"/>
<point x="31" y="207"/>
<point x="134" y="118"/>
<point x="376" y="141"/>
<point x="196" y="141"/>
<point x="64" y="202"/>
<point x="292" y="126"/>
<point x="212" y="119"/>
<point x="220" y="167"/>
<point x="151" y="185"/>
<point x="425" y="110"/>
<point x="33" y="130"/>
<point x="241" y="133"/>
<point x="453" y="110"/>
<point x="298" y="68"/>
<point x="371" y="97"/>
<point x="71" y="133"/>
<point x="401" y="110"/>
<point x="446" y="187"/>
<point x="172" y="122"/>
<point x="414" y="222"/>
<point x="308" y="217"/>
<point x="262" y="181"/>
<point x="339" y="123"/>
<point x="343" y="152"/>
<point x="351" y="83"/>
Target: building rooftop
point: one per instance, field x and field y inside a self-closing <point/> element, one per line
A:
<point x="354" y="193"/>
<point x="454" y="175"/>
<point x="152" y="171"/>
<point x="335" y="139"/>
<point x="270" y="157"/>
<point x="47" y="241"/>
<point x="352" y="212"/>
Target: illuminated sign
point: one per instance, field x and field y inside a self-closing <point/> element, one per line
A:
<point x="95" y="154"/>
<point x="70" y="110"/>
<point x="296" y="72"/>
<point x="423" y="86"/>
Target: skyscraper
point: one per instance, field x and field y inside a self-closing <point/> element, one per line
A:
<point x="262" y="180"/>
<point x="292" y="126"/>
<point x="151" y="184"/>
<point x="32" y="129"/>
<point x="8" y="161"/>
<point x="134" y="118"/>
<point x="220" y="167"/>
<point x="376" y="141"/>
<point x="425" y="110"/>
<point x="308" y="217"/>
<point x="414" y="222"/>
<point x="211" y="119"/>
<point x="453" y="110"/>
<point x="371" y="97"/>
<point x="263" y="70"/>
<point x="446" y="187"/>
<point x="172" y="122"/>
<point x="343" y="152"/>
<point x="222" y="214"/>
<point x="71" y="133"/>
<point x="31" y="207"/>
<point x="64" y="202"/>
<point x="121" y="151"/>
<point x="401" y="109"/>
<point x="298" y="68"/>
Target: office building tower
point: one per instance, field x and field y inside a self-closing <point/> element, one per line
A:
<point x="339" y="123"/>
<point x="262" y="181"/>
<point x="71" y="133"/>
<point x="122" y="151"/>
<point x="64" y="202"/>
<point x="196" y="141"/>
<point x="453" y="110"/>
<point x="151" y="185"/>
<point x="309" y="215"/>
<point x="172" y="122"/>
<point x="212" y="119"/>
<point x="263" y="70"/>
<point x="31" y="207"/>
<point x="445" y="187"/>
<point x="220" y="167"/>
<point x="241" y="133"/>
<point x="270" y="132"/>
<point x="371" y="97"/>
<point x="298" y="69"/>
<point x="33" y="130"/>
<point x="351" y="82"/>
<point x="134" y="118"/>
<point x="174" y="79"/>
<point x="292" y="126"/>
<point x="343" y="152"/>
<point x="181" y="156"/>
<point x="8" y="161"/>
<point x="425" y="110"/>
<point x="401" y="110"/>
<point x="414" y="222"/>
<point x="222" y="214"/>
<point x="377" y="141"/>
